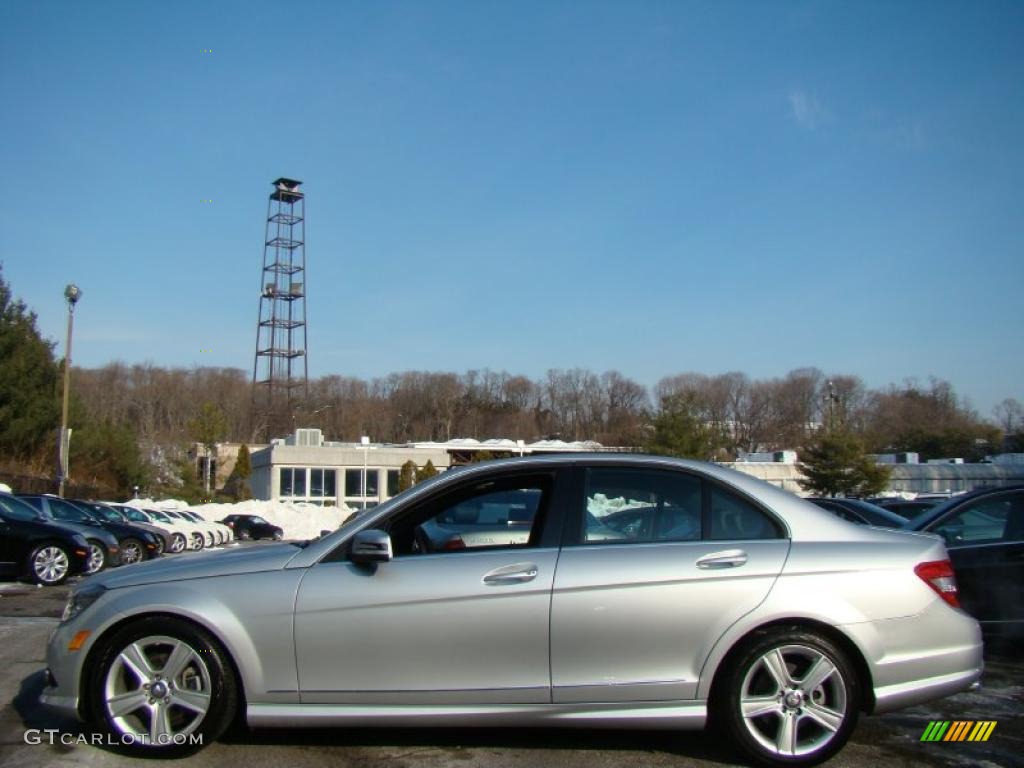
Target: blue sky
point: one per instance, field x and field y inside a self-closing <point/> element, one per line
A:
<point x="654" y="187"/>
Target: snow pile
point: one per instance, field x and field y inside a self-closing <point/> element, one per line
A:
<point x="600" y="505"/>
<point x="5" y="488"/>
<point x="298" y="519"/>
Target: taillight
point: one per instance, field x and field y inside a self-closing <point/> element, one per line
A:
<point x="455" y="542"/>
<point x="938" y="574"/>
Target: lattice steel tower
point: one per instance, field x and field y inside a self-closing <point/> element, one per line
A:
<point x="281" y="369"/>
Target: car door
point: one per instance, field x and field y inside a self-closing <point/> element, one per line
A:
<point x="438" y="625"/>
<point x="635" y="618"/>
<point x="985" y="541"/>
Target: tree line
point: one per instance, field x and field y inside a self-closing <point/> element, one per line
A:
<point x="133" y="423"/>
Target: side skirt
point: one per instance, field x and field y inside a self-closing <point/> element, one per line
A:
<point x="639" y="715"/>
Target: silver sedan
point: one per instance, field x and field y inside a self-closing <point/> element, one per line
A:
<point x="764" y="614"/>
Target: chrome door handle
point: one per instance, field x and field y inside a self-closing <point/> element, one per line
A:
<point x="730" y="558"/>
<point x="511" y="574"/>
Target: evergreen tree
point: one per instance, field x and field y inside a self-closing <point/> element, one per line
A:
<point x="29" y="403"/>
<point x="241" y="474"/>
<point x="678" y="432"/>
<point x="836" y="465"/>
<point x="428" y="470"/>
<point x="407" y="476"/>
<point x="209" y="428"/>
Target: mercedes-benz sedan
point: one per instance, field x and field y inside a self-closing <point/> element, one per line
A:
<point x="767" y="616"/>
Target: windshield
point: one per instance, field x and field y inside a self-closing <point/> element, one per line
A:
<point x="134" y="514"/>
<point x="918" y="522"/>
<point x="65" y="510"/>
<point x="16" y="509"/>
<point x="160" y="516"/>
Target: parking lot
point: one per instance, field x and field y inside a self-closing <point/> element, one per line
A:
<point x="27" y="614"/>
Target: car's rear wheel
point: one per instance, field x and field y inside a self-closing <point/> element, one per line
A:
<point x="178" y="543"/>
<point x="97" y="560"/>
<point x="131" y="551"/>
<point x="790" y="697"/>
<point x="163" y="687"/>
<point x="49" y="564"/>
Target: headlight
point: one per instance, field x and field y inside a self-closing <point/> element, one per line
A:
<point x="81" y="599"/>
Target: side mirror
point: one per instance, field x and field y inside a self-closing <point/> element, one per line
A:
<point x="372" y="546"/>
<point x="324" y="532"/>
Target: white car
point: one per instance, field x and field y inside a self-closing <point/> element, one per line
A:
<point x="184" y="535"/>
<point x="224" y="533"/>
<point x="211" y="537"/>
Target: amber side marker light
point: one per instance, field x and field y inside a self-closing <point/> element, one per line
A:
<point x="79" y="639"/>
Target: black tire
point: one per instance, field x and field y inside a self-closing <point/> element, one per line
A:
<point x="244" y="535"/>
<point x="160" y="546"/>
<point x="278" y="535"/>
<point x="207" y="671"/>
<point x="132" y="551"/>
<point x="198" y="542"/>
<point x="48" y="564"/>
<point x="97" y="560"/>
<point x="178" y="543"/>
<point x="797" y="725"/>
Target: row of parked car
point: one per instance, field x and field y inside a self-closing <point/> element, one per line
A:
<point x="46" y="538"/>
<point x="984" y="535"/>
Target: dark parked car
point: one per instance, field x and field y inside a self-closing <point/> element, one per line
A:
<point x="252" y="527"/>
<point x="984" y="533"/>
<point x="105" y="513"/>
<point x="37" y="549"/>
<point x="861" y="512"/>
<point x="135" y="543"/>
<point x="908" y="509"/>
<point x="104" y="548"/>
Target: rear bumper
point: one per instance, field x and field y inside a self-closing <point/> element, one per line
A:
<point x="920" y="658"/>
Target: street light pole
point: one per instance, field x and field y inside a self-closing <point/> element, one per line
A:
<point x="72" y="293"/>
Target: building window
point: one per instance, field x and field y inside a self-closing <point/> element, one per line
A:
<point x="354" y="485"/>
<point x="393" y="480"/>
<point x="323" y="483"/>
<point x="293" y="481"/>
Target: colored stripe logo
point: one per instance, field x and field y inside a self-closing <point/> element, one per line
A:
<point x="959" y="730"/>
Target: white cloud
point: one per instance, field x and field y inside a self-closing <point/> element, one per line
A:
<point x="807" y="111"/>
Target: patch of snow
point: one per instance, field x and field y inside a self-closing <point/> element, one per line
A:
<point x="5" y="488"/>
<point x="298" y="519"/>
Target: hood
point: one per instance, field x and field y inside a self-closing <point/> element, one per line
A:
<point x="198" y="565"/>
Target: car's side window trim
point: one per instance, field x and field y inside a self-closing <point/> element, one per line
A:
<point x="575" y="531"/>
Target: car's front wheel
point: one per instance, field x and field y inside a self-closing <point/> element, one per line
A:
<point x="49" y="564"/>
<point x="162" y="687"/>
<point x="244" y="535"/>
<point x="197" y="541"/>
<point x="790" y="697"/>
<point x="97" y="560"/>
<point x="131" y="551"/>
<point x="178" y="543"/>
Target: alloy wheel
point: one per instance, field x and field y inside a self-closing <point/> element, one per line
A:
<point x="50" y="565"/>
<point x="793" y="700"/>
<point x="131" y="552"/>
<point x="157" y="690"/>
<point x="97" y="558"/>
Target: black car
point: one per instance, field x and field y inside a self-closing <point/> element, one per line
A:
<point x="252" y="527"/>
<point x="908" y="509"/>
<point x="984" y="533"/>
<point x="106" y="513"/>
<point x="37" y="549"/>
<point x="135" y="543"/>
<point x="860" y="512"/>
